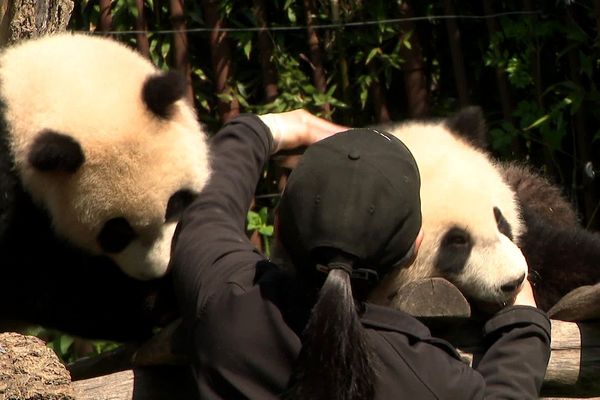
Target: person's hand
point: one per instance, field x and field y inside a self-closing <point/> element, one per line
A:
<point x="293" y="129"/>
<point x="525" y="296"/>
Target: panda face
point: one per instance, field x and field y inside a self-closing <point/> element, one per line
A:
<point x="470" y="220"/>
<point x="105" y="143"/>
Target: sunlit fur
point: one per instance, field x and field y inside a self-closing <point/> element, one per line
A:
<point x="460" y="187"/>
<point x="90" y="88"/>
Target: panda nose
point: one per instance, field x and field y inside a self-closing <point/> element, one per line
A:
<point x="513" y="285"/>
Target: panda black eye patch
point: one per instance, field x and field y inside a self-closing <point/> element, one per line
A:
<point x="455" y="249"/>
<point x="116" y="234"/>
<point x="503" y="225"/>
<point x="53" y="151"/>
<point x="178" y="203"/>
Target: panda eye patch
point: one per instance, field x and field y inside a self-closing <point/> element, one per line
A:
<point x="116" y="234"/>
<point x="456" y="237"/>
<point x="503" y="225"/>
<point x="454" y="251"/>
<point x="178" y="203"/>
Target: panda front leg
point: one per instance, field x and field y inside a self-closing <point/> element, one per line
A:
<point x="560" y="259"/>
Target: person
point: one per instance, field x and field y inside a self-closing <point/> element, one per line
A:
<point x="349" y="213"/>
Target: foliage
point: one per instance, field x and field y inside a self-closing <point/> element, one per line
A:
<point x="259" y="221"/>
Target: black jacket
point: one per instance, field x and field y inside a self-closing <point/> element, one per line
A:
<point x="244" y="317"/>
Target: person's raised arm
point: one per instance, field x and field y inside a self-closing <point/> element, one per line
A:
<point x="213" y="227"/>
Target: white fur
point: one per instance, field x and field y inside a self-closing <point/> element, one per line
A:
<point x="460" y="187"/>
<point x="91" y="89"/>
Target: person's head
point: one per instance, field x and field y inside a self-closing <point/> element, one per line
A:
<point x="353" y="195"/>
<point x="350" y="212"/>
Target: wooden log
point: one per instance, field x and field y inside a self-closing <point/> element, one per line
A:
<point x="31" y="370"/>
<point x="573" y="370"/>
<point x="157" y="383"/>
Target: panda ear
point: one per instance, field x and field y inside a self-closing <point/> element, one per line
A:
<point x="469" y="124"/>
<point x="52" y="151"/>
<point x="161" y="91"/>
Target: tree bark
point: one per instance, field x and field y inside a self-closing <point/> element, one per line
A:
<point x="415" y="79"/>
<point x="105" y="23"/>
<point x="597" y="11"/>
<point x="315" y="55"/>
<point x="582" y="139"/>
<point x="344" y="80"/>
<point x="265" y="49"/>
<point x="382" y="112"/>
<point x="31" y="370"/>
<point x="22" y="19"/>
<point x="180" y="42"/>
<point x="501" y="81"/>
<point x="141" y="26"/>
<point x="221" y="60"/>
<point x="458" y="62"/>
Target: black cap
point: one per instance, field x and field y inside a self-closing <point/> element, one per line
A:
<point x="356" y="192"/>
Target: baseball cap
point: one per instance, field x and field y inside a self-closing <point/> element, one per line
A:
<point x="356" y="192"/>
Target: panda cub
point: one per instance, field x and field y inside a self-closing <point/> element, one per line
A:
<point x="480" y="217"/>
<point x="99" y="155"/>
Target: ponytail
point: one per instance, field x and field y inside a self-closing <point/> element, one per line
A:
<point x="335" y="362"/>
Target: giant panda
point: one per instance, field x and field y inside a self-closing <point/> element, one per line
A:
<point x="489" y="225"/>
<point x="99" y="155"/>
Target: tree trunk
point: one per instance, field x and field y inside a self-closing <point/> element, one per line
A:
<point x="582" y="138"/>
<point x="458" y="62"/>
<point x="382" y="112"/>
<point x="501" y="81"/>
<point x="265" y="50"/>
<point x="105" y="23"/>
<point x="21" y="19"/>
<point x="180" y="42"/>
<point x="141" y="26"/>
<point x="597" y="11"/>
<point x="344" y="80"/>
<point x="221" y="60"/>
<point x="415" y="80"/>
<point x="315" y="55"/>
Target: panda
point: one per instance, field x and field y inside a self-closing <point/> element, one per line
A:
<point x="489" y="225"/>
<point x="99" y="155"/>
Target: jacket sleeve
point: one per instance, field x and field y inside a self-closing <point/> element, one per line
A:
<point x="518" y="352"/>
<point x="213" y="227"/>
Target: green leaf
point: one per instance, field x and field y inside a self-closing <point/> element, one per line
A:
<point x="537" y="122"/>
<point x="264" y="214"/>
<point x="266" y="230"/>
<point x="248" y="49"/>
<point x="372" y="54"/>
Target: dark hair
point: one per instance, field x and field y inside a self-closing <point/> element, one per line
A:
<point x="336" y="361"/>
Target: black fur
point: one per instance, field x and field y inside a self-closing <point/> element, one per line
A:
<point x="503" y="225"/>
<point x="560" y="259"/>
<point x="455" y="249"/>
<point x="161" y="91"/>
<point x="53" y="151"/>
<point x="177" y="204"/>
<point x="469" y="123"/>
<point x="116" y="234"/>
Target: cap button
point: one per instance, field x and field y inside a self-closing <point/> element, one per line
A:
<point x="354" y="155"/>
